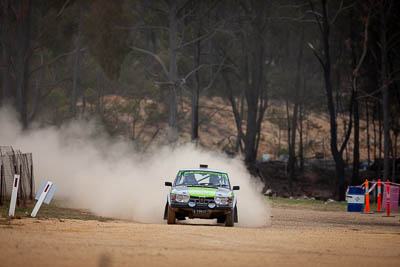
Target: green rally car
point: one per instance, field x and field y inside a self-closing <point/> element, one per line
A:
<point x="201" y="193"/>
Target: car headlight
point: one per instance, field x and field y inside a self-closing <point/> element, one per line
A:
<point x="223" y="200"/>
<point x="180" y="198"/>
<point x="211" y="205"/>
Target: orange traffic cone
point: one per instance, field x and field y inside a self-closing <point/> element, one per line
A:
<point x="379" y="196"/>
<point x="388" y="200"/>
<point x="367" y="199"/>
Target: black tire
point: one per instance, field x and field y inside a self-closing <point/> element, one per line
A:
<point x="171" y="218"/>
<point x="235" y="217"/>
<point x="221" y="219"/>
<point x="229" y="219"/>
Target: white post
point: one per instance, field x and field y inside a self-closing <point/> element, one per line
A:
<point x="41" y="199"/>
<point x="14" y="194"/>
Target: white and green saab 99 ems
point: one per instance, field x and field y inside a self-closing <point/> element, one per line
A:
<point x="201" y="193"/>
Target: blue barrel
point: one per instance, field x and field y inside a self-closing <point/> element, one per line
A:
<point x="355" y="199"/>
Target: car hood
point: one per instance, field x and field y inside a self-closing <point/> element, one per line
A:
<point x="202" y="191"/>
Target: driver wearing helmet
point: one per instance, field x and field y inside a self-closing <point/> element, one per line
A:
<point x="214" y="180"/>
<point x="189" y="179"/>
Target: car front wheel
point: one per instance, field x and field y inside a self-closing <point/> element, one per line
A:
<point x="171" y="219"/>
<point x="229" y="220"/>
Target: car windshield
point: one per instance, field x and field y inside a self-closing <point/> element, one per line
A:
<point x="202" y="178"/>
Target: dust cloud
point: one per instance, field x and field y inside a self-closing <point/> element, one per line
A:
<point x="102" y="174"/>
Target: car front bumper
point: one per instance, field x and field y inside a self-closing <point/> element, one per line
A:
<point x="201" y="210"/>
<point x="200" y="206"/>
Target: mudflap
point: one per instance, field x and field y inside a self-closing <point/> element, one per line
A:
<point x="235" y="215"/>
<point x="166" y="211"/>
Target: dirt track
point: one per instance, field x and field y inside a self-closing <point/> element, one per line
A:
<point x="295" y="238"/>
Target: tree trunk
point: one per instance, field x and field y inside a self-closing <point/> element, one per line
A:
<point x="236" y="113"/>
<point x="196" y="87"/>
<point x="289" y="132"/>
<point x="239" y="137"/>
<point x="337" y="155"/>
<point x="385" y="91"/>
<point x="279" y="140"/>
<point x="340" y="173"/>
<point x="374" y="126"/>
<point x="356" y="134"/>
<point x="356" y="148"/>
<point x="252" y="80"/>
<point x="254" y="89"/>
<point x="368" y="141"/>
<point x="326" y="65"/>
<point x="292" y="147"/>
<point x="394" y="156"/>
<point x="380" y="140"/>
<point x="250" y="137"/>
<point x="302" y="116"/>
<point x="100" y="94"/>
<point x="172" y="73"/>
<point x="22" y="60"/>
<point x="5" y="25"/>
<point x="75" y="74"/>
<point x="38" y="97"/>
<point x="301" y="153"/>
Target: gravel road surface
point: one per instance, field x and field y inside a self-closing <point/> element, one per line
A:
<point x="296" y="237"/>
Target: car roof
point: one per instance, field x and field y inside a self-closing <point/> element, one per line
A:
<point x="203" y="169"/>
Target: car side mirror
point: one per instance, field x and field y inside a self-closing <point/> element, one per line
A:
<point x="236" y="187"/>
<point x="168" y="184"/>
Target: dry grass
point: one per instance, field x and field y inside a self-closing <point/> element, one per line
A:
<point x="52" y="211"/>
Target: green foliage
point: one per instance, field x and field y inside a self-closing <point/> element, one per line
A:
<point x="155" y="115"/>
<point x="91" y="95"/>
<point x="138" y="81"/>
<point x="105" y="34"/>
<point x="58" y="103"/>
<point x="135" y="81"/>
<point x="53" y="26"/>
<point x="283" y="151"/>
<point x="278" y="117"/>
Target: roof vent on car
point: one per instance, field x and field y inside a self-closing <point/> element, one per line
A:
<point x="204" y="166"/>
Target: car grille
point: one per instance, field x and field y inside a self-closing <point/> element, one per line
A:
<point x="202" y="200"/>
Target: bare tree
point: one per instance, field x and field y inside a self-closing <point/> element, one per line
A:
<point x="173" y="78"/>
<point x="384" y="84"/>
<point x="325" y="61"/>
<point x="5" y="45"/>
<point x="297" y="83"/>
<point x="251" y="73"/>
<point x="76" y="66"/>
<point x="23" y="57"/>
<point x="202" y="10"/>
<point x="356" y="72"/>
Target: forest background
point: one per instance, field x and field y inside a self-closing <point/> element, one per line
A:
<point x="294" y="80"/>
